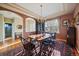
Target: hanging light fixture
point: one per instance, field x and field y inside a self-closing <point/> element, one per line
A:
<point x="41" y="20"/>
<point x="41" y="11"/>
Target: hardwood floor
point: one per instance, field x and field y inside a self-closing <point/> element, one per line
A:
<point x="9" y="44"/>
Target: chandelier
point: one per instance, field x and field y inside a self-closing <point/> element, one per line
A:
<point x="40" y="18"/>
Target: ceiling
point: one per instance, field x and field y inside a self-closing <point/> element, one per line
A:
<point x="49" y="9"/>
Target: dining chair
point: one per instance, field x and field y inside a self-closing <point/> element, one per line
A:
<point x="46" y="48"/>
<point x="53" y="36"/>
<point x="28" y="46"/>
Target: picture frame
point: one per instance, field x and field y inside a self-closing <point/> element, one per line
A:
<point x="65" y="22"/>
<point x="77" y="19"/>
<point x="19" y="26"/>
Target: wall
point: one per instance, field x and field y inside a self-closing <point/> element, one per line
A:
<point x="63" y="29"/>
<point x="16" y="30"/>
<point x="8" y="20"/>
<point x="17" y="22"/>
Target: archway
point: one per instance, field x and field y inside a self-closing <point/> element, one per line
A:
<point x="10" y="24"/>
<point x="30" y="25"/>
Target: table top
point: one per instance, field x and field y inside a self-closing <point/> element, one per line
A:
<point x="39" y="36"/>
<point x="35" y="36"/>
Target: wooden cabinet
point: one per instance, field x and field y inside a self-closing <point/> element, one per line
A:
<point x="77" y="33"/>
<point x="71" y="37"/>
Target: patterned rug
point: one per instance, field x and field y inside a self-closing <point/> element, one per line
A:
<point x="57" y="48"/>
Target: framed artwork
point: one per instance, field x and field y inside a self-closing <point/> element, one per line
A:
<point x="19" y="26"/>
<point x="77" y="19"/>
<point x="65" y="22"/>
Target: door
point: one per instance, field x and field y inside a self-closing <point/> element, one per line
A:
<point x="8" y="30"/>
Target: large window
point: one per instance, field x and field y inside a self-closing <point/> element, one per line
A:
<point x="30" y="25"/>
<point x="52" y="26"/>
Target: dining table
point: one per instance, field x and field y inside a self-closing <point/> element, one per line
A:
<point x="38" y="37"/>
<point x="34" y="37"/>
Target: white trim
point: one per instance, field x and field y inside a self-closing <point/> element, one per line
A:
<point x="3" y="29"/>
<point x="22" y="26"/>
<point x="13" y="32"/>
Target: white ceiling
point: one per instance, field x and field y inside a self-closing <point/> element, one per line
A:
<point x="49" y="8"/>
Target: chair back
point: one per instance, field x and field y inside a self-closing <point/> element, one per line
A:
<point x="27" y="45"/>
<point x="23" y="40"/>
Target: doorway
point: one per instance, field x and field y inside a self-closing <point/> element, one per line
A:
<point x="8" y="30"/>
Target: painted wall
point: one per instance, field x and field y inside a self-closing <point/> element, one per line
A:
<point x="17" y="22"/>
<point x="8" y="20"/>
<point x="63" y="29"/>
<point x="16" y="30"/>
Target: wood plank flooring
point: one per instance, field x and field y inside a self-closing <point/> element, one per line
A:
<point x="9" y="44"/>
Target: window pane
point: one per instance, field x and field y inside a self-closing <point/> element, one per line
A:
<point x="52" y="26"/>
<point x="30" y="25"/>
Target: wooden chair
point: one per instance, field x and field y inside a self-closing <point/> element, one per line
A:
<point x="46" y="48"/>
<point x="28" y="46"/>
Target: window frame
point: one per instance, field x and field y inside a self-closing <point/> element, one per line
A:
<point x="58" y="31"/>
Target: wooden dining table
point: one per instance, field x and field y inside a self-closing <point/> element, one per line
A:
<point x="35" y="37"/>
<point x="38" y="37"/>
